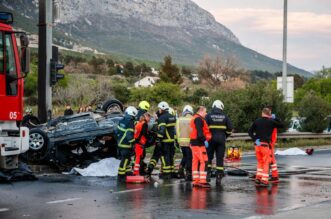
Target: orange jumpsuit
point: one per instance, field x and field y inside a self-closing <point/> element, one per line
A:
<point x="140" y="136"/>
<point x="273" y="162"/>
<point x="199" y="134"/>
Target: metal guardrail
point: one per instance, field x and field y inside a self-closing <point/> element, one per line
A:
<point x="285" y="135"/>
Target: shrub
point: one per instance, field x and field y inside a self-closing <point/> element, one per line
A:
<point x="245" y="105"/>
<point x="314" y="110"/>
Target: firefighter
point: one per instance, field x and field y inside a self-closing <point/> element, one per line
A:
<point x="166" y="136"/>
<point x="156" y="153"/>
<point x="125" y="140"/>
<point x="220" y="127"/>
<point x="199" y="137"/>
<point x="140" y="136"/>
<point x="183" y="137"/>
<point x="143" y="108"/>
<point x="261" y="132"/>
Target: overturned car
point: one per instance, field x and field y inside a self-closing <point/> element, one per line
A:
<point x="78" y="139"/>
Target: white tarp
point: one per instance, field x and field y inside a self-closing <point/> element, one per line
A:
<point x="105" y="167"/>
<point x="291" y="151"/>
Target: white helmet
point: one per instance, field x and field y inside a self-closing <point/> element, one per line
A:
<point x="132" y="111"/>
<point x="163" y="105"/>
<point x="218" y="104"/>
<point x="188" y="109"/>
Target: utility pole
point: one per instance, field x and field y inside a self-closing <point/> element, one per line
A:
<point x="44" y="58"/>
<point x="284" y="76"/>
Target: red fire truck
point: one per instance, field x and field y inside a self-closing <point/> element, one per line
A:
<point x="14" y="65"/>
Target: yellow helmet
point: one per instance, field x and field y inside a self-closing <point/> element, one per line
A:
<point x="144" y="105"/>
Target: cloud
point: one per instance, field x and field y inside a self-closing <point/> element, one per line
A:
<point x="309" y="33"/>
<point x="271" y="20"/>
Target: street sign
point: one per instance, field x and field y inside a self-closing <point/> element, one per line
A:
<point x="290" y="88"/>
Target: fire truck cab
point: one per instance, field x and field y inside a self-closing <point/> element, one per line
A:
<point x="14" y="65"/>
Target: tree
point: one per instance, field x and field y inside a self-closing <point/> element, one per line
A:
<point x="324" y="73"/>
<point x="186" y="71"/>
<point x="128" y="68"/>
<point x="169" y="72"/>
<point x="121" y="92"/>
<point x="217" y="70"/>
<point x="244" y="106"/>
<point x="320" y="86"/>
<point x="314" y="111"/>
<point x="110" y="63"/>
<point x="298" y="81"/>
<point x="160" y="92"/>
<point x="97" y="64"/>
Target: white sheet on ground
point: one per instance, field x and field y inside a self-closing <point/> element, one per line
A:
<point x="291" y="151"/>
<point x="105" y="167"/>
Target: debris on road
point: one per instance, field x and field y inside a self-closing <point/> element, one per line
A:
<point x="22" y="173"/>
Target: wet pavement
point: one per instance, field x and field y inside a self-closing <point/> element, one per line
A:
<point x="304" y="191"/>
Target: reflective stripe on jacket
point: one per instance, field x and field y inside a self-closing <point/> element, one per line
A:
<point x="166" y="127"/>
<point x="183" y="130"/>
<point x="125" y="133"/>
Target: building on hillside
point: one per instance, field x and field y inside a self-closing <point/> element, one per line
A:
<point x="146" y="82"/>
<point x="195" y="77"/>
<point x="154" y="71"/>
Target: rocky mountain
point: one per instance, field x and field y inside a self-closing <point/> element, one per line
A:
<point x="149" y="29"/>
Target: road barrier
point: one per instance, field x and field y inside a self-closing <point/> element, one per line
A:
<point x="285" y="135"/>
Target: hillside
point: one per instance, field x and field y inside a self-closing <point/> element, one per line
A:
<point x="149" y="29"/>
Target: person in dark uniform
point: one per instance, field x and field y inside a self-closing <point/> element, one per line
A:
<point x="125" y="141"/>
<point x="220" y="127"/>
<point x="166" y="136"/>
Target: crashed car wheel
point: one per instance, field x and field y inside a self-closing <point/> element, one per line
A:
<point x="113" y="106"/>
<point x="38" y="146"/>
<point x="36" y="141"/>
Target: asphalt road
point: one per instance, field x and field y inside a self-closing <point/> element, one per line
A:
<point x="305" y="194"/>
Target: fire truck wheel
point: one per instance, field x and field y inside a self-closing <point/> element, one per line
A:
<point x="112" y="105"/>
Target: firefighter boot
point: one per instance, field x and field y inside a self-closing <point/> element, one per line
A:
<point x="208" y="174"/>
<point x="181" y="173"/>
<point x="121" y="178"/>
<point x="219" y="177"/>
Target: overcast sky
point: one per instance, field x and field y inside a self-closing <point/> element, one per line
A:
<point x="258" y="25"/>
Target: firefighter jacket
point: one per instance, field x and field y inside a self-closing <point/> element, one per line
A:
<point x="219" y="125"/>
<point x="166" y="127"/>
<point x="140" y="133"/>
<point x="263" y="128"/>
<point x="125" y="132"/>
<point x="199" y="131"/>
<point x="183" y="130"/>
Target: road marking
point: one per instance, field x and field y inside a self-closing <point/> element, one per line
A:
<point x="126" y="191"/>
<point x="4" y="209"/>
<point x="64" y="200"/>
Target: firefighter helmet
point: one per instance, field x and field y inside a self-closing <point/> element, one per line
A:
<point x="144" y="105"/>
<point x="163" y="105"/>
<point x="218" y="104"/>
<point x="188" y="109"/>
<point x="132" y="111"/>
